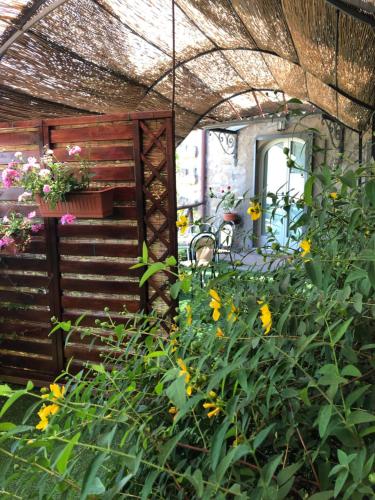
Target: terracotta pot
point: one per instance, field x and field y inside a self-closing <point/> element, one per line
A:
<point x="230" y="216"/>
<point x="11" y="249"/>
<point x="90" y="204"/>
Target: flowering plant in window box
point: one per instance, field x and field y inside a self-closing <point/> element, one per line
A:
<point x="57" y="187"/>
<point x="228" y="202"/>
<point x="16" y="231"/>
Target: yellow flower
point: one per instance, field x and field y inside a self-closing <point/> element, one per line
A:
<point x="182" y="223"/>
<point x="189" y="315"/>
<point x="189" y="390"/>
<point x="42" y="424"/>
<point x="254" y="210"/>
<point x="233" y="314"/>
<point x="212" y="394"/>
<point x="333" y="195"/>
<point x="172" y="410"/>
<point x="306" y="247"/>
<point x="57" y="391"/>
<point x="209" y="405"/>
<point x="215" y="304"/>
<point x="265" y="317"/>
<point x="184" y="370"/>
<point x="219" y="332"/>
<point x="214" y="412"/>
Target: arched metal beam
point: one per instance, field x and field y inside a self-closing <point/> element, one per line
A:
<point x="29" y="22"/>
<point x="203" y="53"/>
<point x="248" y="91"/>
<point x="352" y="11"/>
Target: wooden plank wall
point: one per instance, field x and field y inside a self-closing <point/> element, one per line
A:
<point x="85" y="267"/>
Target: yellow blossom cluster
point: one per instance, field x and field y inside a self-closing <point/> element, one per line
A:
<point x="47" y="411"/>
<point x="254" y="210"/>
<point x="233" y="313"/>
<point x="265" y="317"/>
<point x="184" y="372"/>
<point x="189" y="315"/>
<point x="306" y="247"/>
<point x="215" y="304"/>
<point x="182" y="223"/>
<point x="214" y="406"/>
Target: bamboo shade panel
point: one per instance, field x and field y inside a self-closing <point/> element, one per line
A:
<point x="101" y="56"/>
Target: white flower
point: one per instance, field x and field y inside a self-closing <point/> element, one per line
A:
<point x="5" y="219"/>
<point x="18" y="154"/>
<point x="24" y="196"/>
<point x="44" y="172"/>
<point x="49" y="152"/>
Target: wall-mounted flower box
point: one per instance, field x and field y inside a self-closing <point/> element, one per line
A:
<point x="84" y="204"/>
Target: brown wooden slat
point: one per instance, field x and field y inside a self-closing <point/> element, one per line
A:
<point x="8" y="279"/>
<point x="22" y="209"/>
<point x="33" y="363"/>
<point x="125" y="213"/>
<point x="25" y="314"/>
<point x="90" y="318"/>
<point x="124" y="194"/>
<point x="97" y="153"/>
<point x="98" y="249"/>
<point x="95" y="304"/>
<point x="26" y="346"/>
<point x="13" y="328"/>
<point x="98" y="268"/>
<point x="113" y="173"/>
<point x="31" y="299"/>
<point x="19" y="138"/>
<point x="21" y="376"/>
<point x="93" y="133"/>
<point x="34" y="246"/>
<point x="22" y="264"/>
<point x="8" y="156"/>
<point x="98" y="231"/>
<point x="100" y="286"/>
<point x="83" y="353"/>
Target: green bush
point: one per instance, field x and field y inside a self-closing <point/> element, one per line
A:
<point x="263" y="391"/>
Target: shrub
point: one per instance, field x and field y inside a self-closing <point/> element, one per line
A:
<point x="263" y="390"/>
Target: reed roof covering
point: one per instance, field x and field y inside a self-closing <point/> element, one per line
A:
<point x="234" y="58"/>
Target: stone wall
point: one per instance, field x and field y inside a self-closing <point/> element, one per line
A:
<point x="238" y="171"/>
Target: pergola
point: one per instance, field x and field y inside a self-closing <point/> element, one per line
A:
<point x="231" y="58"/>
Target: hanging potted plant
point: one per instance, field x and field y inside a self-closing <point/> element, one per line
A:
<point x="228" y="202"/>
<point x="57" y="187"/>
<point x="16" y="231"/>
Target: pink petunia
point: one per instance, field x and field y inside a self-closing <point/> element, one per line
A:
<point x="68" y="219"/>
<point x="31" y="215"/>
<point x="9" y="175"/>
<point x="6" y="240"/>
<point x="75" y="150"/>
<point x="35" y="228"/>
<point x="46" y="189"/>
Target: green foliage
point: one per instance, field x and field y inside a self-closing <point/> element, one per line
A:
<point x="220" y="409"/>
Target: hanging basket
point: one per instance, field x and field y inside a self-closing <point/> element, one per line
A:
<point x="88" y="204"/>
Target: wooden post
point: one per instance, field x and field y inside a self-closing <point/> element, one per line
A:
<point x="53" y="266"/>
<point x="140" y="204"/>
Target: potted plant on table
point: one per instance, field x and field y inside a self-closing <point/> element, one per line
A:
<point x="59" y="188"/>
<point x="16" y="231"/>
<point x="228" y="202"/>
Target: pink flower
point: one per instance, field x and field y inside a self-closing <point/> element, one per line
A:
<point x="35" y="228"/>
<point x="32" y="161"/>
<point x="75" y="150"/>
<point x="31" y="215"/>
<point x="9" y="175"/>
<point x="68" y="219"/>
<point x="5" y="241"/>
<point x="46" y="189"/>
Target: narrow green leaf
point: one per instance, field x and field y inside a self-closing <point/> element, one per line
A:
<point x="217" y="443"/>
<point x="261" y="436"/>
<point x="168" y="447"/>
<point x="314" y="271"/>
<point x="324" y="418"/>
<point x="340" y="331"/>
<point x="63" y="457"/>
<point x="308" y="191"/>
<point x="144" y="253"/>
<point x="350" y="371"/>
<point x="152" y="269"/>
<point x="360" y="417"/>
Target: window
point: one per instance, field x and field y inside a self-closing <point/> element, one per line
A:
<point x="276" y="177"/>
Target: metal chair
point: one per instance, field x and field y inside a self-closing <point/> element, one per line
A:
<point x="201" y="254"/>
<point x="224" y="240"/>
